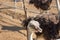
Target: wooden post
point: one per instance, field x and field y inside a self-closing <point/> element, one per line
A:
<point x="25" y="9"/>
<point x="28" y="33"/>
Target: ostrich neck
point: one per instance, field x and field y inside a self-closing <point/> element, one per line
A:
<point x="30" y="34"/>
<point x="31" y="38"/>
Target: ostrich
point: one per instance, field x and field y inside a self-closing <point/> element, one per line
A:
<point x="39" y="25"/>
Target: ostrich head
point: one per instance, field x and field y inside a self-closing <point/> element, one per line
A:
<point x="34" y="26"/>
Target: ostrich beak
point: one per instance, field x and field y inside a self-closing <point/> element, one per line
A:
<point x="38" y="29"/>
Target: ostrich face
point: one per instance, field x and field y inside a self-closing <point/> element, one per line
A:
<point x="34" y="25"/>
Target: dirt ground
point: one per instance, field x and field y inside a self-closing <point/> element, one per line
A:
<point x="11" y="19"/>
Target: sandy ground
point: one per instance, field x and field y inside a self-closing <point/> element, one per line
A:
<point x="11" y="19"/>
